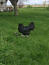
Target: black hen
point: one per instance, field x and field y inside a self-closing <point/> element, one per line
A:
<point x="25" y="30"/>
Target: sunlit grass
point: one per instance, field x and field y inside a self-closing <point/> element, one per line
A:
<point x="33" y="50"/>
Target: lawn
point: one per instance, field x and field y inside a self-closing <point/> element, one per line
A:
<point x="32" y="50"/>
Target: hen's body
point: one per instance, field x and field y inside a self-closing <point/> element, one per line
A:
<point x="25" y="30"/>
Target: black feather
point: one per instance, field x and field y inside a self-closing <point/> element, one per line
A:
<point x="25" y="30"/>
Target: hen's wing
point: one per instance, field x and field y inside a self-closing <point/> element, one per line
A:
<point x="26" y="29"/>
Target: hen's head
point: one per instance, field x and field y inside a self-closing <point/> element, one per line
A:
<point x="20" y="25"/>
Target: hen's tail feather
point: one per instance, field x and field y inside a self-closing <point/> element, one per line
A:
<point x="31" y="26"/>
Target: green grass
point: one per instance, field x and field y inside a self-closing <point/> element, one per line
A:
<point x="33" y="50"/>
